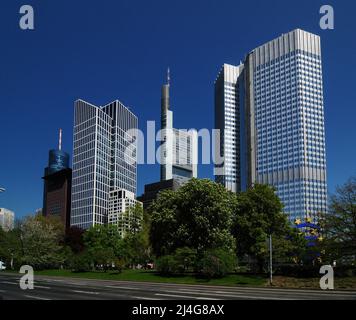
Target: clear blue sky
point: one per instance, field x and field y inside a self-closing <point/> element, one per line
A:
<point x="111" y="49"/>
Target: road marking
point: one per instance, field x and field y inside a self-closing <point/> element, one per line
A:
<point x="231" y="295"/>
<point x="38" y="298"/>
<point x="174" y="296"/>
<point x="42" y="287"/>
<point x="126" y="288"/>
<point x="86" y="292"/>
<point x="8" y="282"/>
<point x="144" y="298"/>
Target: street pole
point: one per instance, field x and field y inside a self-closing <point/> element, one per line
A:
<point x="270" y="260"/>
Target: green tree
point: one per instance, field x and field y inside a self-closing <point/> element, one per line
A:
<point x="216" y="263"/>
<point x="339" y="225"/>
<point x="136" y="242"/>
<point x="104" y="244"/>
<point x="258" y="214"/>
<point x="290" y="248"/>
<point x="40" y="242"/>
<point x="131" y="220"/>
<point x="198" y="216"/>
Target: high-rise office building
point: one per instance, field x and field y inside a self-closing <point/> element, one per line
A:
<point x="57" y="185"/>
<point x="7" y="219"/>
<point x="104" y="159"/>
<point x="179" y="147"/>
<point x="278" y="135"/>
<point x="227" y="119"/>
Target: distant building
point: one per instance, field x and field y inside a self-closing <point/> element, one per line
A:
<point x="179" y="147"/>
<point x="104" y="159"/>
<point x="7" y="219"/>
<point x="152" y="190"/>
<point x="122" y="201"/>
<point x="57" y="185"/>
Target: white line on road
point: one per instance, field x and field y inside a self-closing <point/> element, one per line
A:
<point x="144" y="298"/>
<point x="86" y="292"/>
<point x="220" y="294"/>
<point x="37" y="298"/>
<point x="174" y="296"/>
<point x="8" y="282"/>
<point x="126" y="288"/>
<point x="42" y="287"/>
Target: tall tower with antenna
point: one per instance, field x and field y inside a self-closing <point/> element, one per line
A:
<point x="57" y="184"/>
<point x="178" y="147"/>
<point x="166" y="130"/>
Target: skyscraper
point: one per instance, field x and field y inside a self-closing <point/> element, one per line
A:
<point x="279" y="134"/>
<point x="227" y="119"/>
<point x="179" y="147"/>
<point x="104" y="159"/>
<point x="57" y="185"/>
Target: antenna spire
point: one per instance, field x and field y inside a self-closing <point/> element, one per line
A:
<point x="60" y="140"/>
<point x="168" y="76"/>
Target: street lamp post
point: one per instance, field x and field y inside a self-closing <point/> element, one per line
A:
<point x="270" y="260"/>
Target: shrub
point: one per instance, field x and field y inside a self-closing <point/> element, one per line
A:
<point x="81" y="263"/>
<point x="167" y="265"/>
<point x="216" y="263"/>
<point x="298" y="271"/>
<point x="185" y="259"/>
<point x="345" y="271"/>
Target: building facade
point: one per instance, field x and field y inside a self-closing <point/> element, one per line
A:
<point x="153" y="189"/>
<point x="104" y="159"/>
<point x="227" y="120"/>
<point x="121" y="204"/>
<point x="7" y="219"/>
<point x="57" y="185"/>
<point x="179" y="148"/>
<point x="281" y="122"/>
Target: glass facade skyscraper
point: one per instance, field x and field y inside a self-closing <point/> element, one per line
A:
<point x="281" y="122"/>
<point x="104" y="159"/>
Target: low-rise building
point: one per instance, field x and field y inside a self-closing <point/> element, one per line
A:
<point x="121" y="210"/>
<point x="7" y="219"/>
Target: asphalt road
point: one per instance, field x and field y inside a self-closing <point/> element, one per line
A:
<point x="58" y="288"/>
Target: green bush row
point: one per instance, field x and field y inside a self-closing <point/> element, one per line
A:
<point x="214" y="263"/>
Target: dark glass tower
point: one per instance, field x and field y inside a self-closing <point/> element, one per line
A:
<point x="57" y="185"/>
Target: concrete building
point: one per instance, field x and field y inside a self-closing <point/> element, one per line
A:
<point x="121" y="204"/>
<point x="7" y="219"/>
<point x="104" y="159"/>
<point x="271" y="112"/>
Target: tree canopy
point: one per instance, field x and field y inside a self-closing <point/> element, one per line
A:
<point x="198" y="216"/>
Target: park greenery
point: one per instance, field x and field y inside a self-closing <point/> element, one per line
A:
<point x="201" y="230"/>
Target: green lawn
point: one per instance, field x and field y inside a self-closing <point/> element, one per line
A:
<point x="151" y="276"/>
